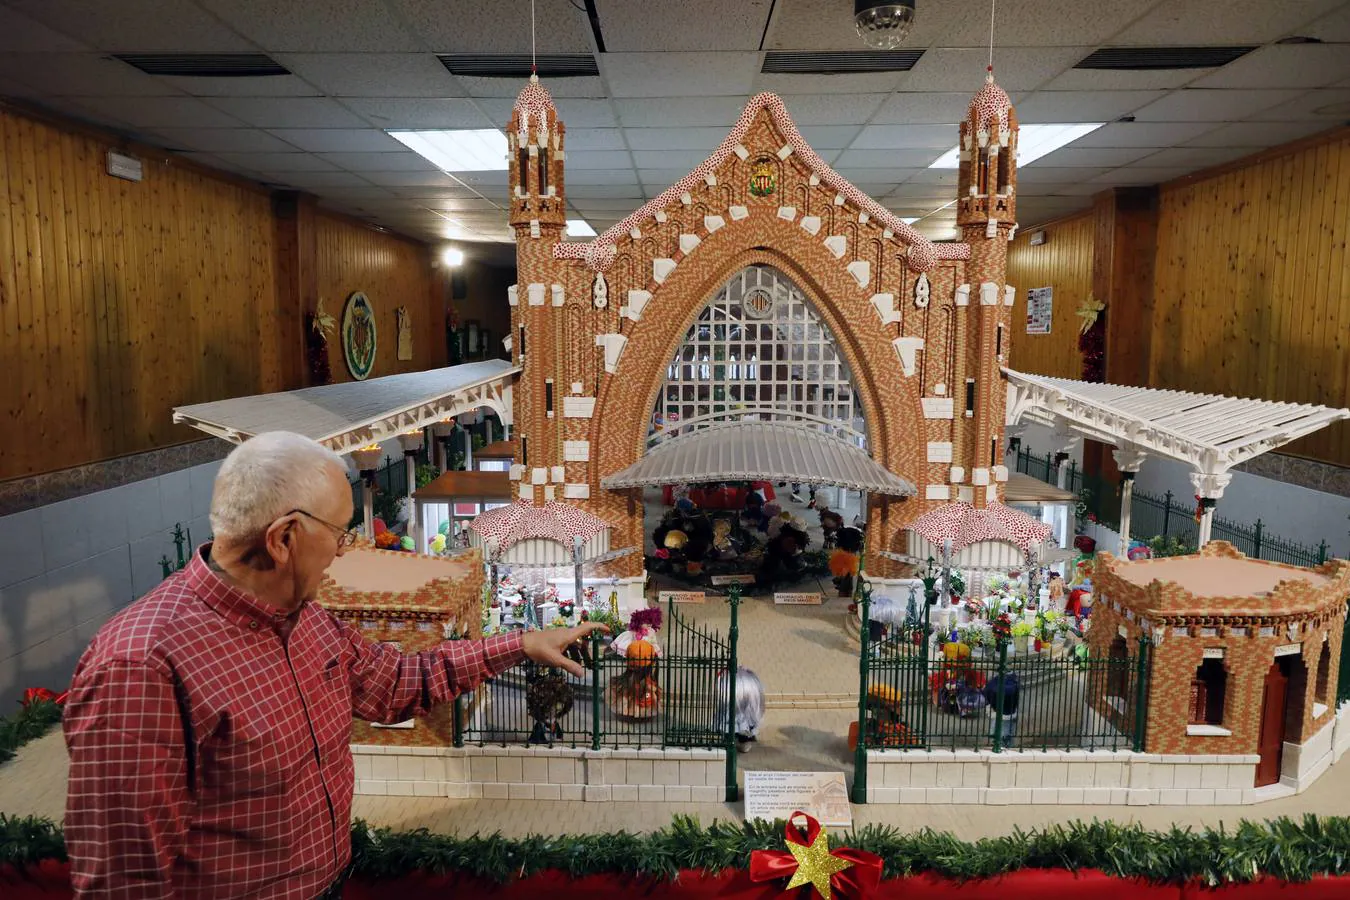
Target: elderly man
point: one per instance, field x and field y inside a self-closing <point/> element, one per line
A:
<point x="208" y="723"/>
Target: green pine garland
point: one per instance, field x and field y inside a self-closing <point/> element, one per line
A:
<point x="1281" y="848"/>
<point x="32" y="721"/>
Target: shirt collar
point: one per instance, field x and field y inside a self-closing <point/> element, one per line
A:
<point x="234" y="604"/>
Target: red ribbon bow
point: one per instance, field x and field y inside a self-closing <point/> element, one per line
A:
<point x="857" y="881"/>
<point x="41" y="694"/>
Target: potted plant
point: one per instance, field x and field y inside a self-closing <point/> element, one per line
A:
<point x="1021" y="635"/>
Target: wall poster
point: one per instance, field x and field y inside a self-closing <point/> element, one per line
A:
<point x="1040" y="310"/>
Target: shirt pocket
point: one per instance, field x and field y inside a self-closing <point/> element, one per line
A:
<point x="332" y="708"/>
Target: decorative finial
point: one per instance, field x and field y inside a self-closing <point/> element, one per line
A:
<point x="534" y="75"/>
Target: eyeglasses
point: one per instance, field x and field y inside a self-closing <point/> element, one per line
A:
<point x="346" y="536"/>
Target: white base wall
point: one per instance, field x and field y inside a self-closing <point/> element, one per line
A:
<point x="1340" y="732"/>
<point x="532" y="773"/>
<point x="1069" y="777"/>
<point x="67" y="567"/>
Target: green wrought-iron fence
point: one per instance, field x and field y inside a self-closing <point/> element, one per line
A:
<point x="671" y="702"/>
<point x="1153" y="515"/>
<point x="183" y="550"/>
<point x="1343" y="681"/>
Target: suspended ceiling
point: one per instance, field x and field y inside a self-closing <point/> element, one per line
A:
<point x="672" y="79"/>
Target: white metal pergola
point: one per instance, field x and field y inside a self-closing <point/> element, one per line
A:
<point x="355" y="414"/>
<point x="1210" y="433"/>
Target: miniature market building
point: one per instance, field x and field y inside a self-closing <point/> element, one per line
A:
<point x="457" y="497"/>
<point x="496" y="457"/>
<point x="1245" y="655"/>
<point x="414" y="602"/>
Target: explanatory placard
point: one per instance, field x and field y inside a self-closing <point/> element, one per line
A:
<point x="797" y="599"/>
<point x="776" y="795"/>
<point x="734" y="579"/>
<point x="682" y="597"/>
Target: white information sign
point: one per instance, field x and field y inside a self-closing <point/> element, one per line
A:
<point x="1040" y="310"/>
<point x="777" y="795"/>
<point x="683" y="596"/>
<point x="747" y="578"/>
<point x="797" y="599"/>
<point x="1289" y="650"/>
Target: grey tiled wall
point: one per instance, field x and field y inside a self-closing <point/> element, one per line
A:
<point x="66" y="567"/>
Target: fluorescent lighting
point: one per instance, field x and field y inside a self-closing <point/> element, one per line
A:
<point x="909" y="220"/>
<point x="480" y="150"/>
<point x="579" y="228"/>
<point x="452" y="256"/>
<point x="1033" y="142"/>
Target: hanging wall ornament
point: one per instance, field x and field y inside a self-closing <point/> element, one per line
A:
<point x="922" y="289"/>
<point x="600" y="291"/>
<point x="405" y="341"/>
<point x="359" y="338"/>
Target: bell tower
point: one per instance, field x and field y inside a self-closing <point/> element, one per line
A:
<point x="534" y="139"/>
<point x="987" y="217"/>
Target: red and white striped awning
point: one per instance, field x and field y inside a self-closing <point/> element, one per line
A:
<point x="522" y="520"/>
<point x="964" y="525"/>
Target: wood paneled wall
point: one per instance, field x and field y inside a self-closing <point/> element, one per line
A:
<point x="1063" y="262"/>
<point x="1252" y="285"/>
<point x="392" y="272"/>
<point x="122" y="300"/>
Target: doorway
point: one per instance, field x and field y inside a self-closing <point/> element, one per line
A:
<point x="1281" y="715"/>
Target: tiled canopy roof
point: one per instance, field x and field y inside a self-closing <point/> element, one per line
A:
<point x="743" y="451"/>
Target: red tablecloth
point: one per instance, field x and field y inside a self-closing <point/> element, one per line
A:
<point x="719" y="498"/>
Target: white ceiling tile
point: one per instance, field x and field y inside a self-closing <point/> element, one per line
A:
<point x="925" y="108"/>
<point x="162" y="112"/>
<point x="680" y="74"/>
<point x="360" y="193"/>
<point x="621" y="205"/>
<point x="417" y="113"/>
<point x="1037" y="175"/>
<point x="374" y="74"/>
<point x="488" y="183"/>
<point x="1284" y="66"/>
<point x="828" y="25"/>
<point x="20" y="33"/>
<point x="206" y="159"/>
<point x="887" y="159"/>
<point x="829" y="137"/>
<point x="624" y="176"/>
<point x="223" y="140"/>
<point x="318" y="180"/>
<point x="580" y="86"/>
<point x="1123" y="80"/>
<point x="410" y="179"/>
<point x="581" y="193"/>
<point x="670" y="159"/>
<point x="593" y="139"/>
<point x="680" y="112"/>
<point x="660" y="179"/>
<point x="1080" y="189"/>
<point x="1328" y="105"/>
<point x="1193" y="105"/>
<point x="1258" y="135"/>
<point x="1334" y="27"/>
<point x="87" y="110"/>
<point x="688" y="25"/>
<point x="288" y="112"/>
<point x="138" y="27"/>
<point x="578" y="160"/>
<point x="263" y="86"/>
<point x="882" y="137"/>
<point x="452" y="189"/>
<point x="1141" y="175"/>
<point x="704" y="140"/>
<point x="315" y="25"/>
<point x="471" y="26"/>
<point x="380" y="162"/>
<point x="876" y="189"/>
<point x="339" y="140"/>
<point x="15" y="90"/>
<point x="919" y="193"/>
<point x="81" y="74"/>
<point x="1143" y="134"/>
<point x="1093" y="158"/>
<point x="278" y="162"/>
<point x="851" y="83"/>
<point x="1082" y="106"/>
<point x="472" y="204"/>
<point x="1207" y="23"/>
<point x="1194" y="157"/>
<point x="1016" y="69"/>
<point x="933" y="176"/>
<point x="1032" y="23"/>
<point x="832" y="109"/>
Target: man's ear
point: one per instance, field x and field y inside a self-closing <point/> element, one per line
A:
<point x="280" y="539"/>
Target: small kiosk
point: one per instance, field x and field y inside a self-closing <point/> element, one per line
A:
<point x="495" y="457"/>
<point x="457" y="498"/>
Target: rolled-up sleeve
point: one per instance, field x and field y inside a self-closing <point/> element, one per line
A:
<point x="127" y="802"/>
<point x="389" y="686"/>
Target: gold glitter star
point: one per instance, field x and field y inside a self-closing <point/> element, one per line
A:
<point x="815" y="865"/>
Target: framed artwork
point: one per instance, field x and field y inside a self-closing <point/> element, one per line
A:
<point x="359" y="336"/>
<point x="1040" y="310"/>
<point x="472" y="339"/>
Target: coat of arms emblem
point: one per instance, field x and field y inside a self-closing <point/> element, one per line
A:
<point x="763" y="178"/>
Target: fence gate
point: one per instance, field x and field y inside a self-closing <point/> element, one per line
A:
<point x="698" y="682"/>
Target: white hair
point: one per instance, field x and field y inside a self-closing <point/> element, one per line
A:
<point x="266" y="477"/>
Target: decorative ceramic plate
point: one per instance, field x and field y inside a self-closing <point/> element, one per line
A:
<point x="359" y="338"/>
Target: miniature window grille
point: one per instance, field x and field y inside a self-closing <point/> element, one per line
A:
<point x="522" y="342"/>
<point x="524" y="169"/>
<point x="548" y="396"/>
<point x="759" y="352"/>
<point x="524" y="451"/>
<point x="1208" y="689"/>
<point x="970" y="396"/>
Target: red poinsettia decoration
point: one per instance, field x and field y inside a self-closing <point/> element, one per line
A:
<point x="43" y="695"/>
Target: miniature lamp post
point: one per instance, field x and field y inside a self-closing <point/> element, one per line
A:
<point x="367" y="461"/>
<point x="441" y="432"/>
<point x="576" y="568"/>
<point x="411" y="442"/>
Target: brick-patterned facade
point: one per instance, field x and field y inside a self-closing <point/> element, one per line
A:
<point x="415" y="620"/>
<point x="1248" y="630"/>
<point x="592" y="369"/>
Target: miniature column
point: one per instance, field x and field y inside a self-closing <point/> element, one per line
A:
<point x="440" y="433"/>
<point x="367" y="461"/>
<point x="1065" y="442"/>
<point x="411" y="442"/>
<point x="1128" y="460"/>
<point x="1209" y="488"/>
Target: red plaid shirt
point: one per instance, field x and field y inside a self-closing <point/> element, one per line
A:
<point x="210" y="758"/>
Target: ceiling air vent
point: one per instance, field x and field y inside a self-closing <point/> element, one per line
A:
<point x="205" y="65"/>
<point x="839" y="62"/>
<point x="517" y="65"/>
<point x="1145" y="58"/>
